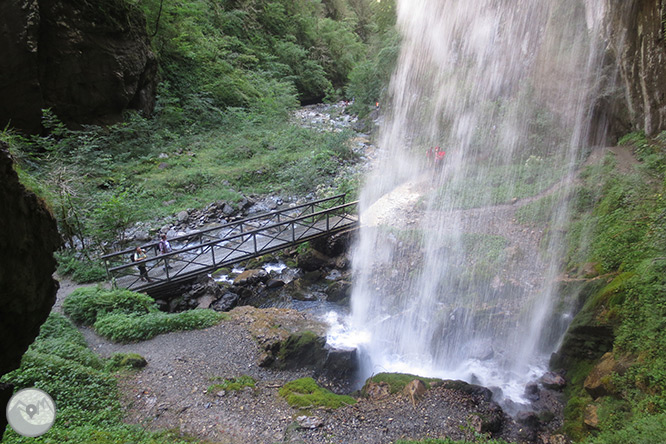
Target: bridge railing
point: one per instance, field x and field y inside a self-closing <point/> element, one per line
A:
<point x="236" y="247"/>
<point x="122" y="257"/>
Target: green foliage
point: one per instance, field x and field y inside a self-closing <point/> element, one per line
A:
<point x="645" y="430"/>
<point x="123" y="327"/>
<point x="126" y="316"/>
<point x="79" y="268"/>
<point x="86" y="395"/>
<point x="233" y="384"/>
<point x="627" y="240"/>
<point x="398" y="381"/>
<point x="305" y="393"/>
<point x="87" y="305"/>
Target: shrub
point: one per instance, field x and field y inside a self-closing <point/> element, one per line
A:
<point x="305" y="392"/>
<point x="87" y="305"/>
<point x="123" y="327"/>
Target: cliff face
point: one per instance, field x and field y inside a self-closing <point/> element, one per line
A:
<point x="29" y="237"/>
<point x="86" y="60"/>
<point x="638" y="44"/>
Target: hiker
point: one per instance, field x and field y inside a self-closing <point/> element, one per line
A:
<point x="165" y="247"/>
<point x="439" y="156"/>
<point x="140" y="255"/>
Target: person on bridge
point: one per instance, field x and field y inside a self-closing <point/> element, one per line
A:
<point x="165" y="247"/>
<point x="140" y="255"/>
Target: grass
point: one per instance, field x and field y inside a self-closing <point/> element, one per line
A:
<point x="84" y="389"/>
<point x="126" y="316"/>
<point x="305" y="393"/>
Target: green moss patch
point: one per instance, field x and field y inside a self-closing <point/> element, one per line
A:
<point x="305" y="393"/>
<point x="233" y="384"/>
<point x="398" y="381"/>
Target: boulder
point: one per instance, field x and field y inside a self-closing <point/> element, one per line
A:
<point x="338" y="291"/>
<point x="251" y="277"/>
<point x="312" y="260"/>
<point x="309" y="422"/>
<point x="182" y="216"/>
<point x="553" y="381"/>
<point x="377" y="391"/>
<point x="591" y="416"/>
<point x="599" y="381"/>
<point x="226" y="302"/>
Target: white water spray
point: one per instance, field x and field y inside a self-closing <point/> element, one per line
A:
<point x="453" y="277"/>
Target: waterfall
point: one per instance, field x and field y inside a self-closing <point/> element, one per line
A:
<point x="454" y="275"/>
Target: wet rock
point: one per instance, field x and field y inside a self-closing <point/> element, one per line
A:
<point x="532" y="391"/>
<point x="338" y="291"/>
<point x="251" y="277"/>
<point x="274" y="283"/>
<point x="312" y="260"/>
<point x="226" y="302"/>
<point x="553" y="381"/>
<point x="340" y="363"/>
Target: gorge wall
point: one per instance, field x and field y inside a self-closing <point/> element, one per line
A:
<point x="29" y="237"/>
<point x="638" y="43"/>
<point x="86" y="60"/>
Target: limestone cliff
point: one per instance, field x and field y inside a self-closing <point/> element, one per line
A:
<point x="86" y="60"/>
<point x="638" y="44"/>
<point x="29" y="237"/>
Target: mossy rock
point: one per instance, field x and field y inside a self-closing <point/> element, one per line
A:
<point x="305" y="393"/>
<point x="221" y="272"/>
<point x="118" y="361"/>
<point x="398" y="381"/>
<point x="302" y="349"/>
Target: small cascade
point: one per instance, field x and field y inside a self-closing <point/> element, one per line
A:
<point x="454" y="275"/>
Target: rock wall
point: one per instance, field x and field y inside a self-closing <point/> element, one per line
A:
<point x="29" y="237"/>
<point x="86" y="60"/>
<point x="638" y="45"/>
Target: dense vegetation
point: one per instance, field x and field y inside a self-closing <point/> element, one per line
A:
<point x="231" y="72"/>
<point x="126" y="316"/>
<point x="622" y="220"/>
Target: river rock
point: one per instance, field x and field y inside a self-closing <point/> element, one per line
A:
<point x="226" y="302"/>
<point x="182" y="216"/>
<point x="274" y="283"/>
<point x="251" y="277"/>
<point x="553" y="381"/>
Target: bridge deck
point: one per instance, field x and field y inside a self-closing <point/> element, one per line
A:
<point x="209" y="250"/>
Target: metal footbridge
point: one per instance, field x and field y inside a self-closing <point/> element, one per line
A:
<point x="202" y="252"/>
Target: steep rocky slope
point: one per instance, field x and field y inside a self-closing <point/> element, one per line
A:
<point x="29" y="237"/>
